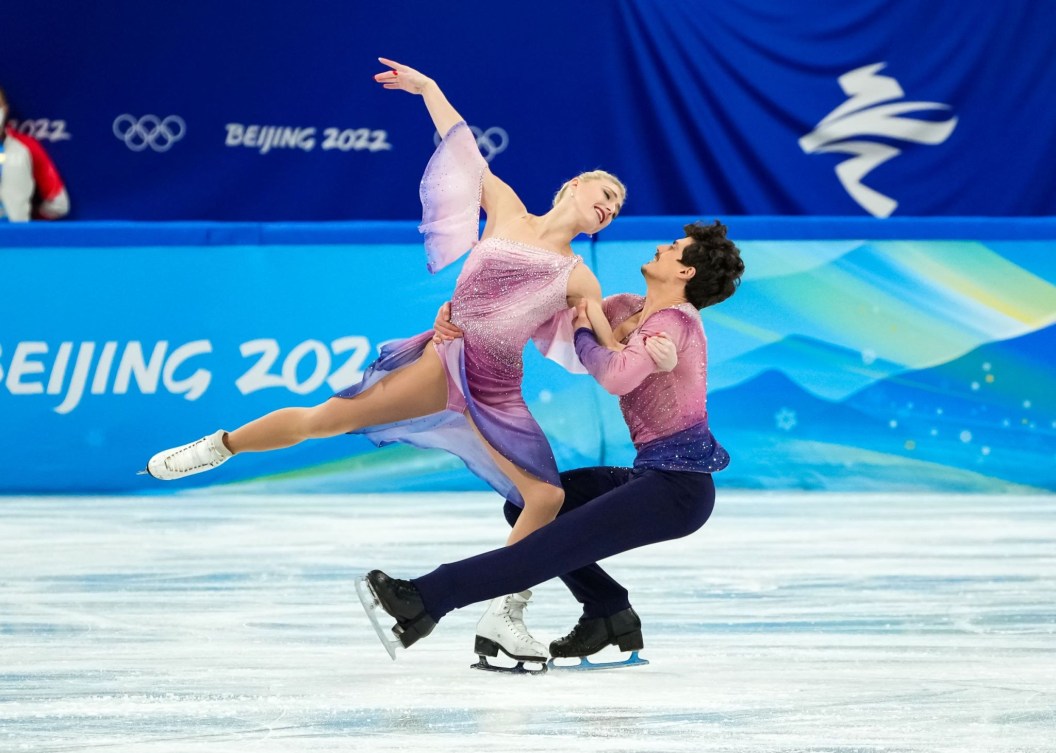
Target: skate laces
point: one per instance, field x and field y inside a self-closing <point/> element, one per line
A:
<point x="193" y="456"/>
<point x="515" y="614"/>
<point x="577" y="630"/>
<point x="404" y="589"/>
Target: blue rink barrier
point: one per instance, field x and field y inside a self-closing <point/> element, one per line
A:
<point x="857" y="354"/>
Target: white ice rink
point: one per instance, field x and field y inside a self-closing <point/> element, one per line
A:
<point x="221" y="622"/>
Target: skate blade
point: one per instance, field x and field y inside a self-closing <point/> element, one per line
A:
<point x="485" y="666"/>
<point x="371" y="606"/>
<point x="585" y="664"/>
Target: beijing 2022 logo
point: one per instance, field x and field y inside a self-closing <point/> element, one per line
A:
<point x="149" y="131"/>
<point x="863" y="115"/>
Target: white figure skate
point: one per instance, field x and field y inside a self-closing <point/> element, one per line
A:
<point x="186" y="460"/>
<point x="502" y="629"/>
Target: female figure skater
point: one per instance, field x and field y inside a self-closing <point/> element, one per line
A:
<point x="463" y="396"/>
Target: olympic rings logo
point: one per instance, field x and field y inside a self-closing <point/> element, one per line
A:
<point x="149" y="131"/>
<point x="491" y="142"/>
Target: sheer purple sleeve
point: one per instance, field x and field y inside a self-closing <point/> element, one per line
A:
<point x="450" y="194"/>
<point x="555" y="339"/>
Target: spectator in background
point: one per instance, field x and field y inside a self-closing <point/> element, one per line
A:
<point x="29" y="183"/>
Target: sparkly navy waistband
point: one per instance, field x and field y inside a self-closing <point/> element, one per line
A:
<point x="693" y="449"/>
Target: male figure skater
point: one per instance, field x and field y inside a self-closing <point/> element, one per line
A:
<point x="668" y="493"/>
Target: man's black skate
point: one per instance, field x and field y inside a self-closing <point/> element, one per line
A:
<point x="589" y="636"/>
<point x="400" y="600"/>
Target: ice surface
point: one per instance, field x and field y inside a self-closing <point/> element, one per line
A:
<point x="209" y="622"/>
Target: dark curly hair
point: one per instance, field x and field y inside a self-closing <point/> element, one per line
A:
<point x="717" y="261"/>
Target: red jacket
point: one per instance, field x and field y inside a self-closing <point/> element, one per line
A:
<point x="27" y="174"/>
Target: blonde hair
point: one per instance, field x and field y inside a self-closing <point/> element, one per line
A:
<point x="592" y="175"/>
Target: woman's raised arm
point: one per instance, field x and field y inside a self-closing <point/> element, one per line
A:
<point x="407" y="79"/>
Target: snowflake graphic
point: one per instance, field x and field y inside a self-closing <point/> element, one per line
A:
<point x="785" y="419"/>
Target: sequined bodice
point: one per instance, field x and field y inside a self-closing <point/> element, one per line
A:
<point x="506" y="290"/>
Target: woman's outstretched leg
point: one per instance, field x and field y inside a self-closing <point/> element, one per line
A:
<point x="418" y="389"/>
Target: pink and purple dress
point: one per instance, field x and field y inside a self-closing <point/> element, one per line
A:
<point x="507" y="293"/>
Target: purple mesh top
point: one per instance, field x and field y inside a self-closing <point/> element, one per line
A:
<point x="666" y="412"/>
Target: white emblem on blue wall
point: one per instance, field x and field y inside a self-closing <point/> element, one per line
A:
<point x="863" y="115"/>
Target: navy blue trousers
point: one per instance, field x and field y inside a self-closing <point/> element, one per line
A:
<point x="606" y="511"/>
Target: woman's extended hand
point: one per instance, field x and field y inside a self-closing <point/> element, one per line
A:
<point x="402" y="77"/>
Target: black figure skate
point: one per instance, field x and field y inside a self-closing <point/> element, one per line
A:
<point x="589" y="636"/>
<point x="400" y="600"/>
